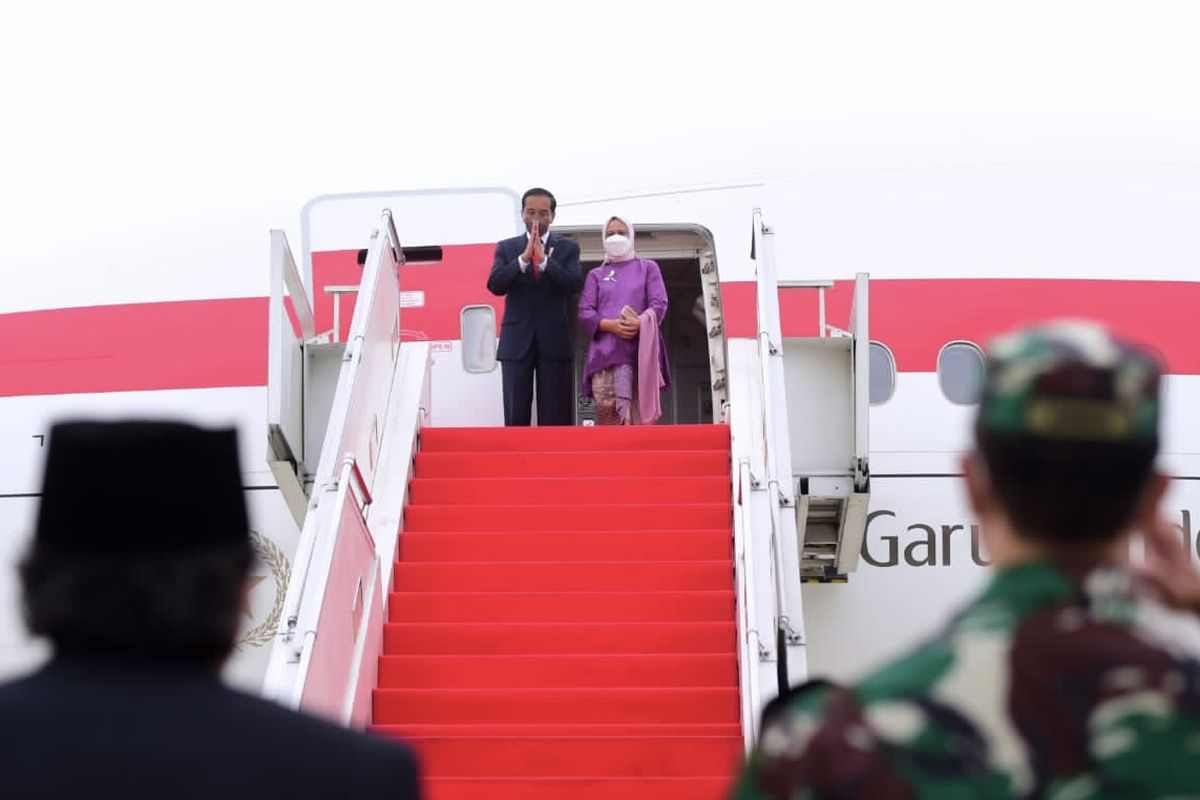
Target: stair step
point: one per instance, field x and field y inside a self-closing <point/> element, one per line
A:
<point x="618" y="730"/>
<point x="607" y="545"/>
<point x="626" y="757"/>
<point x="585" y="463"/>
<point x="482" y="576"/>
<point x="716" y="788"/>
<point x="559" y="638"/>
<point x="540" y="706"/>
<point x="563" y="671"/>
<point x="566" y="517"/>
<point x="562" y="620"/>
<point x="523" y="491"/>
<point x="615" y="437"/>
<point x="581" y="606"/>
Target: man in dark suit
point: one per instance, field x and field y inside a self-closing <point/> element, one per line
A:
<point x="137" y="575"/>
<point x="537" y="273"/>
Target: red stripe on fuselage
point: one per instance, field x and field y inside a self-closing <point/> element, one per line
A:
<point x="916" y="318"/>
<point x="218" y="343"/>
<point x="190" y="344"/>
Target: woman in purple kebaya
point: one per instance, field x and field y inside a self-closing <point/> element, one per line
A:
<point x="621" y="308"/>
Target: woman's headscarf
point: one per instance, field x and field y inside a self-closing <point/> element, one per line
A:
<point x="603" y="237"/>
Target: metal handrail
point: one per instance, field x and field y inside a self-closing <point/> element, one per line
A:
<point x="318" y="538"/>
<point x="820" y="286"/>
<point x="748" y="606"/>
<point x="770" y="332"/>
<point x="394" y="238"/>
<point x="356" y="473"/>
<point x="782" y="622"/>
<point x="337" y="292"/>
<point x="285" y="265"/>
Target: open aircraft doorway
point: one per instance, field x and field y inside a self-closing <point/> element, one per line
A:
<point x="692" y="332"/>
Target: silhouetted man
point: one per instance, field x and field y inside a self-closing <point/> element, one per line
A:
<point x="137" y="576"/>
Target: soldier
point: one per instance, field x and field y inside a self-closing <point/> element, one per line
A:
<point x="1073" y="674"/>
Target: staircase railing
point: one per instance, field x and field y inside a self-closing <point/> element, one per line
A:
<point x="777" y="456"/>
<point x="749" y="648"/>
<point x="326" y="650"/>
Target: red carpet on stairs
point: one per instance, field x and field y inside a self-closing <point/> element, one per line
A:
<point x="561" y="623"/>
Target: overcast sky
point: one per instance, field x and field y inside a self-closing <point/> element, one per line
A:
<point x="146" y="147"/>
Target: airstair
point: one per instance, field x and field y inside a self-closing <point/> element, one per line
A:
<point x="424" y="599"/>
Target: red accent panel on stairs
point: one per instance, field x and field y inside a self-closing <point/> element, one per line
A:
<point x="562" y="615"/>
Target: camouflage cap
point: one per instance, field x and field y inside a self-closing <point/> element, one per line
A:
<point x="1070" y="380"/>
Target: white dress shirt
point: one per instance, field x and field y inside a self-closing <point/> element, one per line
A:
<point x="521" y="262"/>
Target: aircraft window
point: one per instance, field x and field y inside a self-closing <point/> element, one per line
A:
<point x="960" y="372"/>
<point x="882" y="380"/>
<point x="478" y="328"/>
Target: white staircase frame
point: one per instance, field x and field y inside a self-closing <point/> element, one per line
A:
<point x="343" y="565"/>
<point x="789" y="614"/>
<point x="771" y="643"/>
<point x="772" y="652"/>
<point x="361" y="482"/>
<point x="285" y="368"/>
<point x="751" y="649"/>
<point x="830" y="468"/>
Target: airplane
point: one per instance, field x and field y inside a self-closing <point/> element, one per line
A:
<point x="948" y="241"/>
<point x="839" y="313"/>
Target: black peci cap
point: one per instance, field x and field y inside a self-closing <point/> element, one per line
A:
<point x="139" y="487"/>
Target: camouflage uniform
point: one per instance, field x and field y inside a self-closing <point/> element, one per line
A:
<point x="1058" y="681"/>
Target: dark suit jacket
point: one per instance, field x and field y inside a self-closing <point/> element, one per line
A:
<point x="536" y="310"/>
<point x="96" y="729"/>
